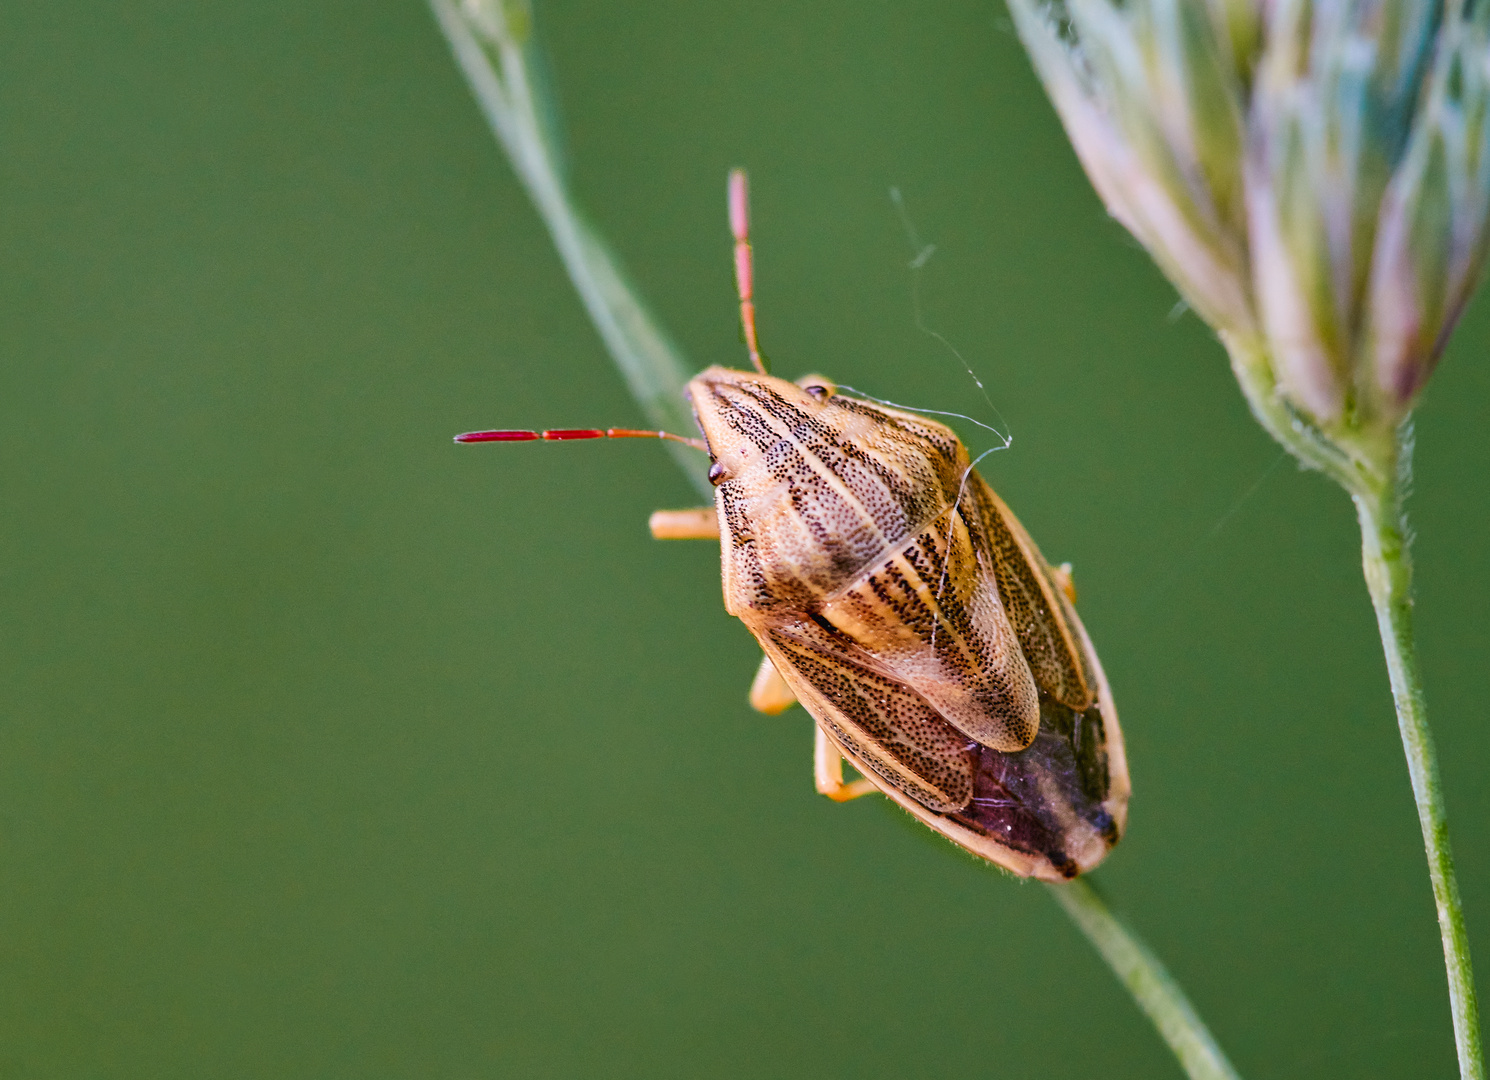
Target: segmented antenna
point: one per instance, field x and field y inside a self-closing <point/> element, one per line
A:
<point x="739" y="225"/>
<point x="565" y="434"/>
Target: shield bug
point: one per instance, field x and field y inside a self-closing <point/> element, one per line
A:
<point x="904" y="606"/>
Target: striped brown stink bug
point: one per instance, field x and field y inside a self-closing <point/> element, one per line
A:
<point x="905" y="607"/>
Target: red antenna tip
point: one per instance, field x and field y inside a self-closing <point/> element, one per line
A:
<point x="497" y="436"/>
<point x="739" y="204"/>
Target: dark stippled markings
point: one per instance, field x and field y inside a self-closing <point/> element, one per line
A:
<point x="1026" y="800"/>
<point x="844" y="534"/>
<point x="901" y="536"/>
<point x="928" y="614"/>
<point x="1048" y="642"/>
<point x="937" y="561"/>
<point x="897" y="503"/>
<point x="887" y="725"/>
<point x="916" y="620"/>
<point x="944" y="466"/>
<point x="888" y="502"/>
<point x="744" y="562"/>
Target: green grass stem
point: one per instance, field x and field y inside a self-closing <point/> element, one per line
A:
<point x="493" y="45"/>
<point x="494" y="48"/>
<point x="1376" y="471"/>
<point x="1388" y="567"/>
<point x="1151" y="985"/>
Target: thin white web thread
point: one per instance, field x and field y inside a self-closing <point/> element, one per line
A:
<point x="1005" y="441"/>
<point x="1182" y="564"/>
<point x="922" y="255"/>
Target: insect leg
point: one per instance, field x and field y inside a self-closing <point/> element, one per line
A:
<point x="1064" y="580"/>
<point x="768" y="692"/>
<point x="827" y="769"/>
<point x="701" y="523"/>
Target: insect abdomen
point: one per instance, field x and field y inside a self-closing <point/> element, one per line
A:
<point x="914" y="618"/>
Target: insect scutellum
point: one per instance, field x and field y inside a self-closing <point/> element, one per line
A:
<point x="903" y="605"/>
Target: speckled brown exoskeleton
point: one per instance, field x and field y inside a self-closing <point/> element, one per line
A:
<point x="904" y="606"/>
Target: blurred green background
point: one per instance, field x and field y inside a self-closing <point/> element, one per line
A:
<point x="330" y="749"/>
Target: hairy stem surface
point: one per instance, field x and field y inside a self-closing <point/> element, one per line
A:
<point x="1375" y="470"/>
<point x="1388" y="568"/>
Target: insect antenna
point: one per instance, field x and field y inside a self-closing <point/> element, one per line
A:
<point x="565" y="434"/>
<point x="1006" y="440"/>
<point x="739" y="225"/>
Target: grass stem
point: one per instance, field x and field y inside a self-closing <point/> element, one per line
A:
<point x="1388" y="568"/>
<point x="1375" y="470"/>
<point x="492" y="43"/>
<point x="1151" y="985"/>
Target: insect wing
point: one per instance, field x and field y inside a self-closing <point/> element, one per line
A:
<point x="1051" y="810"/>
<point x="1043" y="619"/>
<point x="897" y="735"/>
<point x="929" y="615"/>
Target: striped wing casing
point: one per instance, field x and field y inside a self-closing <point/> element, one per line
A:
<point x="915" y="619"/>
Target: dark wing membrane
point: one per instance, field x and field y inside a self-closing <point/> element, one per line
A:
<point x="884" y="723"/>
<point x="1035" y="606"/>
<point x="1049" y="800"/>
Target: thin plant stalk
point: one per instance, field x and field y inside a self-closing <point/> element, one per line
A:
<point x="1377" y="477"/>
<point x="1151" y="985"/>
<point x="493" y="46"/>
<point x="1388" y="568"/>
<point x="1315" y="181"/>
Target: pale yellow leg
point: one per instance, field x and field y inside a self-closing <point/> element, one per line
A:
<point x="700" y="523"/>
<point x="827" y="768"/>
<point x="768" y="691"/>
<point x="1067" y="583"/>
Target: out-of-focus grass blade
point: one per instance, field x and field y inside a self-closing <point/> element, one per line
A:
<point x="493" y="46"/>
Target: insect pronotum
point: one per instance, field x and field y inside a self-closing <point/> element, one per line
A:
<point x="904" y="606"/>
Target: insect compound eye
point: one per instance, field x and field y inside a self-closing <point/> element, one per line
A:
<point x="716" y="473"/>
<point x="817" y="387"/>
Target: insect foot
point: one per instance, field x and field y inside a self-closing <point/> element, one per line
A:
<point x="902" y="603"/>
